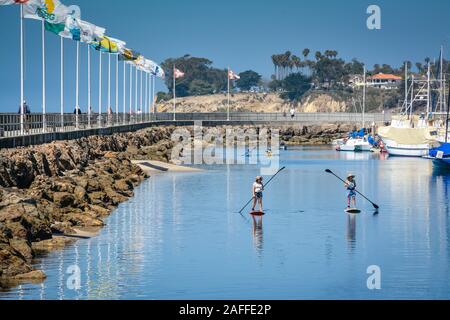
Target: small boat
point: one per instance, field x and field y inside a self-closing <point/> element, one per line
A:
<point x="407" y="141"/>
<point x="355" y="145"/>
<point x="440" y="156"/>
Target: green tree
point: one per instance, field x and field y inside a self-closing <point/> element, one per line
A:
<point x="248" y="79"/>
<point x="295" y="86"/>
<point x="195" y="68"/>
<point x="200" y="88"/>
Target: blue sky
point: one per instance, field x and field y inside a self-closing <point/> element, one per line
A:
<point x="242" y="34"/>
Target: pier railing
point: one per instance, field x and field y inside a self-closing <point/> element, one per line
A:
<point x="11" y="125"/>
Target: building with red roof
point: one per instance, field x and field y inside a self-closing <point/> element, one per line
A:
<point x="384" y="81"/>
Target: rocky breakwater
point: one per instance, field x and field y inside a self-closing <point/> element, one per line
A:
<point x="314" y="134"/>
<point x="53" y="189"/>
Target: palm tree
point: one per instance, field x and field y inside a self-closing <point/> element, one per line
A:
<point x="318" y="55"/>
<point x="275" y="64"/>
<point x="296" y="62"/>
<point x="306" y="52"/>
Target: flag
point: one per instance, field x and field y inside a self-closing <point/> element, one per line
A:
<point x="52" y="11"/>
<point x="128" y="55"/>
<point x="8" y="2"/>
<point x="177" y="73"/>
<point x="140" y="62"/>
<point x="232" y="75"/>
<point x="83" y="31"/>
<point x="159" y="72"/>
<point x="108" y="45"/>
<point x="154" y="69"/>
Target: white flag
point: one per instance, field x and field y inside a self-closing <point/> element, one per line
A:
<point x="177" y="73"/>
<point x="233" y="76"/>
<point x="52" y="11"/>
<point x="83" y="31"/>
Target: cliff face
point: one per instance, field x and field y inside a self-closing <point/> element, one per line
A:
<point x="253" y="102"/>
<point x="312" y="102"/>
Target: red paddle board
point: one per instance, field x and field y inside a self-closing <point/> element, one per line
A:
<point x="257" y="213"/>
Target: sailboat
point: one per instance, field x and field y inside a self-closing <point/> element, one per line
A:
<point x="357" y="141"/>
<point x="406" y="137"/>
<point x="441" y="155"/>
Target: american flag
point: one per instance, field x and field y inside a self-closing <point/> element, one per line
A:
<point x="177" y="73"/>
<point x="232" y="75"/>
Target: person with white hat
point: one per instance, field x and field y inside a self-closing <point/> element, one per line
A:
<point x="350" y="184"/>
<point x="258" y="188"/>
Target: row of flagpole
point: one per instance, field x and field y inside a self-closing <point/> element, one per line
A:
<point x="41" y="10"/>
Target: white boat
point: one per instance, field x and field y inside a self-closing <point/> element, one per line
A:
<point x="410" y="135"/>
<point x="408" y="142"/>
<point x="355" y="145"/>
<point x="406" y="150"/>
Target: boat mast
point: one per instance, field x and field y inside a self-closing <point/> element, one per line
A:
<point x="364" y="99"/>
<point x="428" y="89"/>
<point x="406" y="87"/>
<point x="442" y="91"/>
<point x="412" y="97"/>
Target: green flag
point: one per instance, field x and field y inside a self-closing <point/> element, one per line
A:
<point x="56" y="28"/>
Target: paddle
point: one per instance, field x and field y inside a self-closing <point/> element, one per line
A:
<point x="264" y="187"/>
<point x="374" y="205"/>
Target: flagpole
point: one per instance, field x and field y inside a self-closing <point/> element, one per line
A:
<point x="117" y="88"/>
<point x="44" y="102"/>
<point x="89" y="85"/>
<point x="146" y="96"/>
<point x="153" y="94"/>
<point x="77" y="105"/>
<point x="174" y="95"/>
<point x="131" y="90"/>
<point x="135" y="91"/>
<point x="22" y="111"/>
<point x="140" y="93"/>
<point x="100" y="90"/>
<point x="109" y="87"/>
<point x="228" y="95"/>
<point x="62" y="84"/>
<point x="124" y="91"/>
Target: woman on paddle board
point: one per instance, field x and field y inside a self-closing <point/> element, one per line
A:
<point x="257" y="190"/>
<point x="350" y="184"/>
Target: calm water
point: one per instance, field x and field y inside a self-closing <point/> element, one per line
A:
<point x="181" y="237"/>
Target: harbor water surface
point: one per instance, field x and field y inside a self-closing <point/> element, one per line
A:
<point x="181" y="236"/>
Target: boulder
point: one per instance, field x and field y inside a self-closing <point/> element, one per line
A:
<point x="23" y="247"/>
<point x="33" y="275"/>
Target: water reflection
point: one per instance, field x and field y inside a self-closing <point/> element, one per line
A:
<point x="351" y="232"/>
<point x="258" y="234"/>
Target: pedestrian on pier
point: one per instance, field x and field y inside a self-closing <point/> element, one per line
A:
<point x="27" y="113"/>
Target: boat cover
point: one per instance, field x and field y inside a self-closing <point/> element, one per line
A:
<point x="408" y="136"/>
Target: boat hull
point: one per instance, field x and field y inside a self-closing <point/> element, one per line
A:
<point x="403" y="150"/>
<point x="441" y="164"/>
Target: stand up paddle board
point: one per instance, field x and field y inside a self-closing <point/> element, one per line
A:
<point x="257" y="213"/>
<point x="353" y="211"/>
